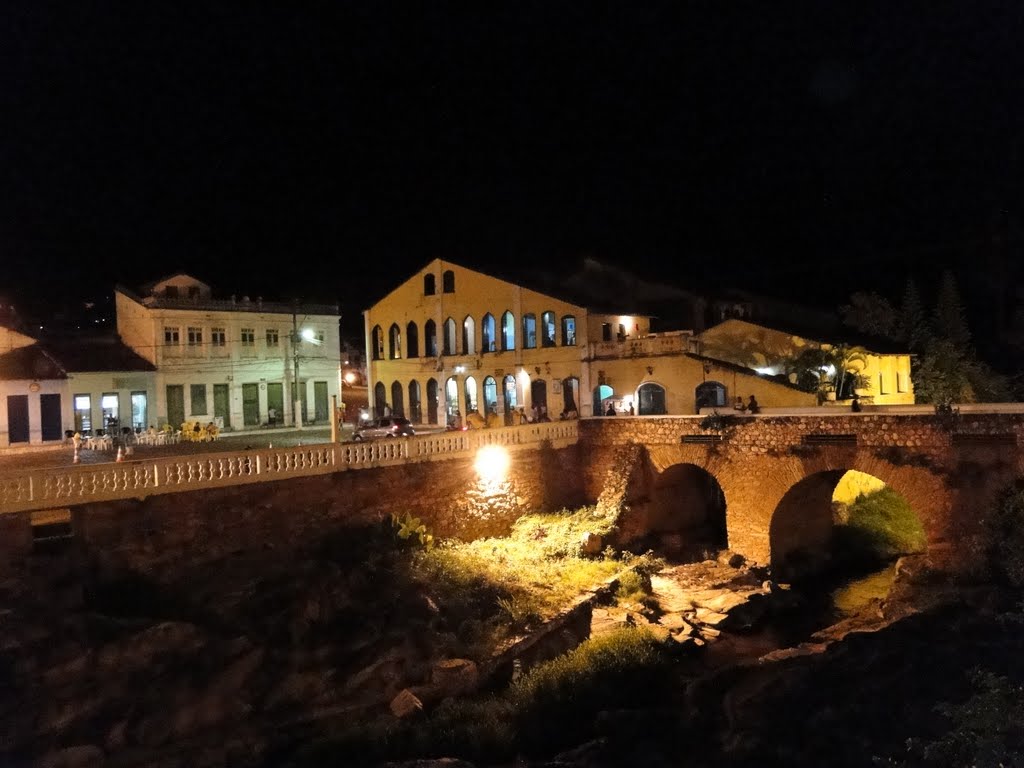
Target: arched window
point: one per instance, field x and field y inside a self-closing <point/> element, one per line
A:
<point x="652" y="400"/>
<point x="529" y="331"/>
<point x="469" y="336"/>
<point x="430" y="338"/>
<point x="568" y="331"/>
<point x="377" y="343"/>
<point x="380" y="399"/>
<point x="395" y="342"/>
<point x="412" y="340"/>
<point x="710" y="394"/>
<point x="508" y="332"/>
<point x="601" y="394"/>
<point x="487" y="333"/>
<point x="449" y="337"/>
<point x="448" y="281"/>
<point x="547" y="329"/>
<point x="490" y="394"/>
<point x="471" y="402"/>
<point x="429" y="285"/>
<point x="415" y="408"/>
<point x="397" y="399"/>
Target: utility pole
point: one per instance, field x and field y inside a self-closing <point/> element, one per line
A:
<point x="296" y="397"/>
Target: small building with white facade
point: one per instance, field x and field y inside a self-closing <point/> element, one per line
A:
<point x="231" y="361"/>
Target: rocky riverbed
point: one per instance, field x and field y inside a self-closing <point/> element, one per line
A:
<point x="243" y="659"/>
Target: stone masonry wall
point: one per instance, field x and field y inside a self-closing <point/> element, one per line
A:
<point x="948" y="469"/>
<point x="162" y="533"/>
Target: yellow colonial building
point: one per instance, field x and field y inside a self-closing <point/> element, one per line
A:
<point x="451" y="341"/>
<point x="884" y="378"/>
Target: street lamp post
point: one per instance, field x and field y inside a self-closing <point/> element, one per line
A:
<point x="296" y="397"/>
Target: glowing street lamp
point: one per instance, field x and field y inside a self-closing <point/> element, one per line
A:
<point x="492" y="463"/>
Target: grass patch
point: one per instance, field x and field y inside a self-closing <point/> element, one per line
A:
<point x="531" y="575"/>
<point x="551" y="707"/>
<point x="881" y="525"/>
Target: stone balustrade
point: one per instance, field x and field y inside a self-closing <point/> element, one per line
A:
<point x="70" y="486"/>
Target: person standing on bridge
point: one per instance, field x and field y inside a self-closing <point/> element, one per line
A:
<point x="753" y="406"/>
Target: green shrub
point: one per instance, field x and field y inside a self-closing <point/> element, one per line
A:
<point x="556" y="702"/>
<point x="881" y="525"/>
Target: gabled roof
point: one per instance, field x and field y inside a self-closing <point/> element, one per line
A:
<point x="742" y="369"/>
<point x="147" y="288"/>
<point x="842" y="336"/>
<point x="104" y="353"/>
<point x="597" y="287"/>
<point x="30" y="363"/>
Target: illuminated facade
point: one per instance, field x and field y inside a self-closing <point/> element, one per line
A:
<point x="231" y="361"/>
<point x="451" y="341"/>
<point x="886" y="376"/>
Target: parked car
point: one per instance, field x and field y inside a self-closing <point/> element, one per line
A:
<point x="390" y="426"/>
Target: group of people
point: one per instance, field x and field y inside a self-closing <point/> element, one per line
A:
<point x="751" y="406"/>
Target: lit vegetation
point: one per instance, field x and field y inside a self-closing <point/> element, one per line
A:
<point x="534" y="573"/>
<point x="880" y="525"/>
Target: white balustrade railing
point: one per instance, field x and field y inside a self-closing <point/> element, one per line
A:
<point x="68" y="486"/>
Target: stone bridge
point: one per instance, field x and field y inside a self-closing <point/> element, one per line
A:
<point x="760" y="485"/>
<point x="773" y="476"/>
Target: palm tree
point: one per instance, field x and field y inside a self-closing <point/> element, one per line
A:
<point x="830" y="368"/>
<point x="848" y="362"/>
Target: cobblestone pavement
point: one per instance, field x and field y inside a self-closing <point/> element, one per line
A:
<point x="63" y="456"/>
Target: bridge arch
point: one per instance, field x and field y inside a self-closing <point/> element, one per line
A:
<point x="838" y="518"/>
<point x="681" y="515"/>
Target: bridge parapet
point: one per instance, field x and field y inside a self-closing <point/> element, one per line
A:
<point x="70" y="486"/>
<point x="769" y="433"/>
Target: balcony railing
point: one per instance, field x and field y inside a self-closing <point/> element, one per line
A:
<point x="662" y="344"/>
<point x="70" y="486"/>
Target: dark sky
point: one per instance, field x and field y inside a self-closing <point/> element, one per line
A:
<point x="277" y="150"/>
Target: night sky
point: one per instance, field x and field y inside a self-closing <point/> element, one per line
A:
<point x="275" y="150"/>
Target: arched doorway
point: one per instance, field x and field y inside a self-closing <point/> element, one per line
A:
<point x="397" y="399"/>
<point x="571" y="395"/>
<point x="652" y="400"/>
<point x="840" y="520"/>
<point x="601" y="394"/>
<point x="490" y="395"/>
<point x="432" y="401"/>
<point x="508" y="392"/>
<point x="415" y="407"/>
<point x="539" y="396"/>
<point x="451" y="398"/>
<point x="683" y="517"/>
<point x="710" y="394"/>
<point x="380" y="398"/>
<point x="471" y="396"/>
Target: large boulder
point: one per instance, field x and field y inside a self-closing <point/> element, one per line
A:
<point x="406" y="704"/>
